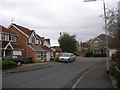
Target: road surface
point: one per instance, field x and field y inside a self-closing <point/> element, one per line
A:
<point x="63" y="75"/>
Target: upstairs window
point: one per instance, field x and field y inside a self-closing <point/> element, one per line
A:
<point x="33" y="40"/>
<point x="96" y="44"/>
<point x="3" y="37"/>
<point x="37" y="41"/>
<point x="6" y="37"/>
<point x="15" y="39"/>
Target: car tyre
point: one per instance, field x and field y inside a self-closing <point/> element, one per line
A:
<point x="68" y="61"/>
<point x="19" y="63"/>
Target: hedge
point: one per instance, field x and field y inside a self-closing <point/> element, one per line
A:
<point x="114" y="72"/>
<point x="90" y="54"/>
<point x="99" y="55"/>
<point x="8" y="64"/>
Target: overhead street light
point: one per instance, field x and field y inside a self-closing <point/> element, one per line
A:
<point x="107" y="60"/>
<point x="89" y="0"/>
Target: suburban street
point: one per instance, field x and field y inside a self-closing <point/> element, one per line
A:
<point x="64" y="75"/>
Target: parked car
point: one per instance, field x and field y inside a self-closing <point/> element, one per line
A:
<point x="56" y="56"/>
<point x="67" y="57"/>
<point x="16" y="58"/>
<point x="115" y="55"/>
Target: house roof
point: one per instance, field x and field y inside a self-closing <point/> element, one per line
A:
<point x="39" y="36"/>
<point x="40" y="48"/>
<point x="28" y="32"/>
<point x="102" y="37"/>
<point x="57" y="48"/>
<point x="85" y="45"/>
<point x="5" y="30"/>
<point x="25" y="30"/>
<point x="48" y="40"/>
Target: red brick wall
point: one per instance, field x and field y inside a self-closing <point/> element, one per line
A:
<point x="22" y="41"/>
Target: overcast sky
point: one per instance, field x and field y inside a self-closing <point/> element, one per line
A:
<point x="50" y="17"/>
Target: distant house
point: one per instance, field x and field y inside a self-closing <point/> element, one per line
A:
<point x="9" y="43"/>
<point x="97" y="45"/>
<point x="83" y="48"/>
<point x="33" y="45"/>
<point x="56" y="49"/>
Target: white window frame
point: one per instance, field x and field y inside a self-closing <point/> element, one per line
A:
<point x="41" y="54"/>
<point x="96" y="44"/>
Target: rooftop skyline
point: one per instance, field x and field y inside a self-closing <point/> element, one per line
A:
<point x="50" y="17"/>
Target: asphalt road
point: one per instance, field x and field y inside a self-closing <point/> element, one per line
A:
<point x="63" y="75"/>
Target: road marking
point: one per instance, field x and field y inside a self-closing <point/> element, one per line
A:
<point x="82" y="77"/>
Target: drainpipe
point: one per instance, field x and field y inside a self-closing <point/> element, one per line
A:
<point x="4" y="53"/>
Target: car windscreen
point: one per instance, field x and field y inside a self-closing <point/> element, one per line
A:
<point x="58" y="54"/>
<point x="66" y="55"/>
<point x="14" y="57"/>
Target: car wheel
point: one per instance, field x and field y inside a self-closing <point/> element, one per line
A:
<point x="51" y="59"/>
<point x="68" y="61"/>
<point x="19" y="63"/>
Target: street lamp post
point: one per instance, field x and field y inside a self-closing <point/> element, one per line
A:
<point x="107" y="60"/>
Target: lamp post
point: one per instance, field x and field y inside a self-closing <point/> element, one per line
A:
<point x="107" y="60"/>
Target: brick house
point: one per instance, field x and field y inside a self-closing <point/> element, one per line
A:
<point x="97" y="45"/>
<point x="8" y="43"/>
<point x="33" y="45"/>
<point x="83" y="48"/>
<point x="56" y="49"/>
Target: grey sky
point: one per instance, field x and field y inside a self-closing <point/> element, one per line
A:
<point x="50" y="17"/>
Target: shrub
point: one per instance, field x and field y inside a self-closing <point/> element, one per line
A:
<point x="89" y="54"/>
<point x="99" y="55"/>
<point x="113" y="70"/>
<point x="8" y="64"/>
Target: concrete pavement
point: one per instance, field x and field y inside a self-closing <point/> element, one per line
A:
<point x="95" y="78"/>
<point x="30" y="67"/>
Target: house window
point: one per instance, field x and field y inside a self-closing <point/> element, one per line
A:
<point x="41" y="55"/>
<point x="6" y="37"/>
<point x="96" y="44"/>
<point x="42" y="43"/>
<point x="37" y="41"/>
<point x="3" y="37"/>
<point x="97" y="52"/>
<point x="12" y="38"/>
<point x="15" y="39"/>
<point x="33" y="40"/>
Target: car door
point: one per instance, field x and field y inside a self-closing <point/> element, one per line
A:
<point x="72" y="57"/>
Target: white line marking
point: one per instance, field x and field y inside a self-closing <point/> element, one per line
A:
<point x="82" y="77"/>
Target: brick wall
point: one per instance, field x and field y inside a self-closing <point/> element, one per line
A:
<point x="22" y="41"/>
<point x="101" y="44"/>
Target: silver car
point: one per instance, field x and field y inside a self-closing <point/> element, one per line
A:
<point x="67" y="57"/>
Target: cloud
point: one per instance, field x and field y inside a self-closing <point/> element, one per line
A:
<point x="50" y="17"/>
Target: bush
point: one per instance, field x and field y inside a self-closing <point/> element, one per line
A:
<point x="99" y="55"/>
<point x="113" y="70"/>
<point x="8" y="64"/>
<point x="89" y="54"/>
